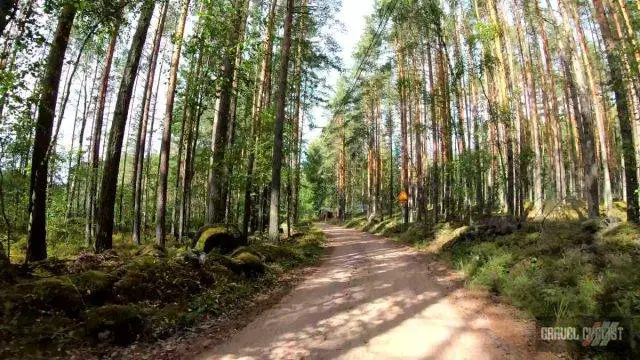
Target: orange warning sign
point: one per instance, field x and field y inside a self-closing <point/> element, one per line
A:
<point x="403" y="197"/>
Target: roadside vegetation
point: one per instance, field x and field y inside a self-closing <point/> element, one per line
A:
<point x="89" y="303"/>
<point x="562" y="272"/>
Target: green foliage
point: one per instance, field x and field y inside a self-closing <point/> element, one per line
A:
<point x="122" y="298"/>
<point x="557" y="276"/>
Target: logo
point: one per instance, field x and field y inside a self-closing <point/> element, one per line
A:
<point x="598" y="335"/>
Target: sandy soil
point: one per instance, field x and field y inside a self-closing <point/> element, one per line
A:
<point x="373" y="299"/>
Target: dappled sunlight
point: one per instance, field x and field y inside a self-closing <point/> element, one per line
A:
<point x="370" y="299"/>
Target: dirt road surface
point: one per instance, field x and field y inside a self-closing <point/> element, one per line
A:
<point x="373" y="299"/>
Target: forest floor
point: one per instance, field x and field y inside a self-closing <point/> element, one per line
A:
<point x="145" y="304"/>
<point x="373" y="298"/>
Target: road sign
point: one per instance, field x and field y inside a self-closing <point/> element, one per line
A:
<point x="403" y="197"/>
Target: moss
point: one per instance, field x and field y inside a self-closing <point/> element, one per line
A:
<point x="215" y="258"/>
<point x="120" y="324"/>
<point x="95" y="286"/>
<point x="167" y="319"/>
<point x="224" y="237"/>
<point x="154" y="279"/>
<point x="219" y="271"/>
<point x="151" y="250"/>
<point x="47" y="295"/>
<point x="274" y="253"/>
<point x="249" y="264"/>
<point x="253" y="250"/>
<point x="49" y="267"/>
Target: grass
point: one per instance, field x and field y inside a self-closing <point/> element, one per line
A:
<point x="558" y="272"/>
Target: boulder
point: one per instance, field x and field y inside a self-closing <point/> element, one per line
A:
<point x="273" y="253"/>
<point x="249" y="264"/>
<point x="119" y="324"/>
<point x="499" y="226"/>
<point x="151" y="250"/>
<point x="215" y="259"/>
<point x="49" y="267"/>
<point x="222" y="237"/>
<point x="190" y="257"/>
<point x="592" y="226"/>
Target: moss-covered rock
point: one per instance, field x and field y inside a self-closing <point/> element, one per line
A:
<point x="85" y="262"/>
<point x="219" y="271"/>
<point x="96" y="287"/>
<point x="190" y="257"/>
<point x="215" y="258"/>
<point x="592" y="226"/>
<point x="151" y="250"/>
<point x="249" y="249"/>
<point x="155" y="279"/>
<point x="222" y="237"/>
<point x="274" y="253"/>
<point x="119" y="324"/>
<point x="49" y="267"/>
<point x="54" y="295"/>
<point x="249" y="264"/>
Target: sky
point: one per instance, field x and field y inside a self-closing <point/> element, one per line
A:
<point x="352" y="15"/>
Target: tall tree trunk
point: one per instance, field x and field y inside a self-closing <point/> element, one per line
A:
<point x="165" y="145"/>
<point x="185" y="169"/>
<point x="581" y="107"/>
<point x="79" y="153"/>
<point x="141" y="136"/>
<point x="220" y="136"/>
<point x="622" y="105"/>
<point x="37" y="240"/>
<point x="259" y="101"/>
<point x="112" y="161"/>
<point x="276" y="165"/>
<point x="552" y="109"/>
<point x="298" y="117"/>
<point x="233" y="108"/>
<point x="532" y="90"/>
<point x="90" y="230"/>
<point x="342" y="168"/>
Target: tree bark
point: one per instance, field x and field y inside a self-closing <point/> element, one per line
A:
<point x="622" y="105"/>
<point x="90" y="230"/>
<point x="276" y="165"/>
<point x="165" y="147"/>
<point x="141" y="136"/>
<point x="109" y="183"/>
<point x="259" y="101"/>
<point x="217" y="202"/>
<point x="37" y="240"/>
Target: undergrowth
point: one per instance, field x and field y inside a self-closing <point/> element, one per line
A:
<point x="92" y="302"/>
<point x="557" y="271"/>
